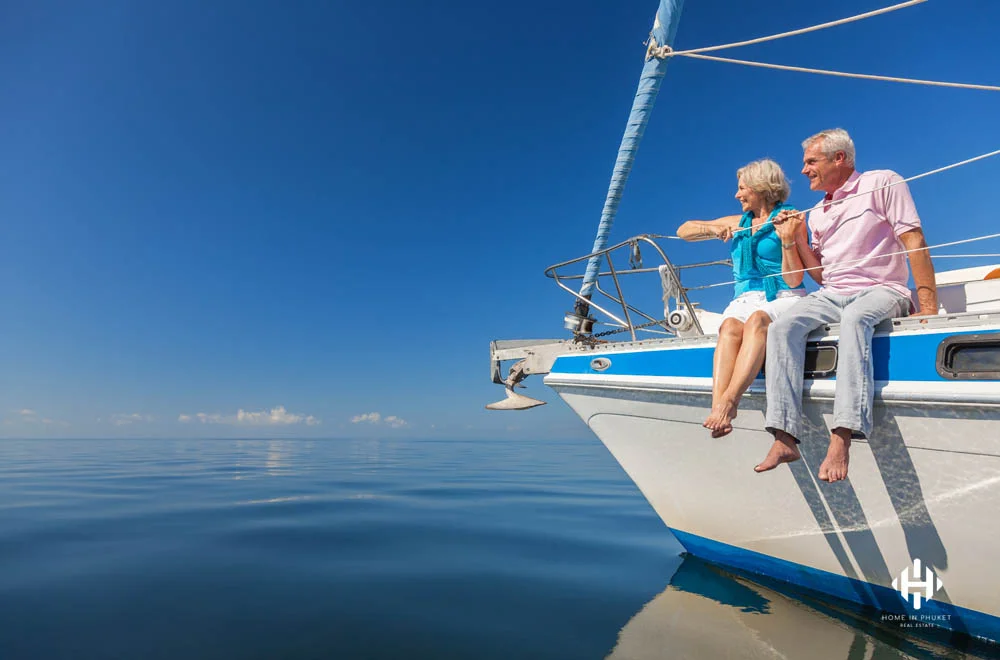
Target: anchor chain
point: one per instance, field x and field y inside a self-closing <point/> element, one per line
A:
<point x="592" y="338"/>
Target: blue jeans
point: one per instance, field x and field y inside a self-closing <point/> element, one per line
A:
<point x="858" y="314"/>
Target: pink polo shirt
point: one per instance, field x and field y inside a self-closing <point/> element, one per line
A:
<point x="864" y="228"/>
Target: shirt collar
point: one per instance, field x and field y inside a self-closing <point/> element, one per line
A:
<point x="850" y="186"/>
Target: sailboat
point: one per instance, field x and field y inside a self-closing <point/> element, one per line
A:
<point x="912" y="532"/>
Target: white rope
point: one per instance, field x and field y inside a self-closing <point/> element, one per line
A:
<point x="844" y="74"/>
<point x="665" y="51"/>
<point x="671" y="287"/>
<point x="963" y="256"/>
<point x="826" y="268"/>
<point x="825" y="202"/>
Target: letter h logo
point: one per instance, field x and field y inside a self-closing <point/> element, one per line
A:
<point x="923" y="583"/>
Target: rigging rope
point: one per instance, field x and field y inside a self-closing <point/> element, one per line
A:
<point x="844" y="199"/>
<point x="845" y="74"/>
<point x="825" y="202"/>
<point x="964" y="256"/>
<point x="855" y="261"/>
<point x="860" y="194"/>
<point x="664" y="51"/>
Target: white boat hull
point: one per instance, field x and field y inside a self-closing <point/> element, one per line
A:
<point x="925" y="485"/>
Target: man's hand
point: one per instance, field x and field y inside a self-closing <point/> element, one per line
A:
<point x="786" y="225"/>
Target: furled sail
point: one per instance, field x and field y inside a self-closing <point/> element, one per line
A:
<point x="664" y="29"/>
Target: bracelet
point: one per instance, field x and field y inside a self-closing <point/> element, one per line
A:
<point x="788" y="245"/>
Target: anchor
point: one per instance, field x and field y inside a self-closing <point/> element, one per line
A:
<point x="513" y="400"/>
<point x="534" y="356"/>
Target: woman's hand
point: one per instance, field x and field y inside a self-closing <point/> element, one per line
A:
<point x="723" y="233"/>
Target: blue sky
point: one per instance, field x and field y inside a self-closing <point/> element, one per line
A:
<point x="315" y="211"/>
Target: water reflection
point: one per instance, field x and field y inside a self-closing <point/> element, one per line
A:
<point x="708" y="613"/>
<point x="278" y="454"/>
<point x="271" y="458"/>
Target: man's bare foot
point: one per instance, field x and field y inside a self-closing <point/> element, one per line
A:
<point x="834" y="466"/>
<point x="782" y="451"/>
<point x="720" y="420"/>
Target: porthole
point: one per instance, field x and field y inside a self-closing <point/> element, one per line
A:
<point x="970" y="357"/>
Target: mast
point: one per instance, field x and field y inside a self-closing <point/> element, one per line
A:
<point x="664" y="28"/>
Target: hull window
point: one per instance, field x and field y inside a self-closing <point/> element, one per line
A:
<point x="821" y="361"/>
<point x="970" y="357"/>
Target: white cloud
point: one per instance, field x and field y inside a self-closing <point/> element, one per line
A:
<point x="395" y="422"/>
<point x="277" y="416"/>
<point x="123" y="419"/>
<point x="30" y="416"/>
<point x="376" y="418"/>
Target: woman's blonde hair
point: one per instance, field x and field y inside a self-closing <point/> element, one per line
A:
<point x="766" y="178"/>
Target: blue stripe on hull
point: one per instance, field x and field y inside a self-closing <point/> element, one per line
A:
<point x="970" y="622"/>
<point x="898" y="357"/>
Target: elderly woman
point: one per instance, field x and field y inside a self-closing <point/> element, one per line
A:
<point x="757" y="253"/>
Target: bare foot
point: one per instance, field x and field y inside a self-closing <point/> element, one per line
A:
<point x="720" y="420"/>
<point x="782" y="451"/>
<point x="834" y="466"/>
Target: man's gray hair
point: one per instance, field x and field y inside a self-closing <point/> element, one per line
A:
<point x="834" y="140"/>
<point x="766" y="178"/>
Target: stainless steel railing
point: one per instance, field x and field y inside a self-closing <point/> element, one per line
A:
<point x="635" y="262"/>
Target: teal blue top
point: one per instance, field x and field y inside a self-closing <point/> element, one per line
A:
<point x="757" y="255"/>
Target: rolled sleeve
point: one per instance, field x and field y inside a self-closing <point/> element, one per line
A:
<point x="898" y="206"/>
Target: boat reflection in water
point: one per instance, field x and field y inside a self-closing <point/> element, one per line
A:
<point x="707" y="612"/>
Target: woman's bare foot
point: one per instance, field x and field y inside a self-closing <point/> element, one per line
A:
<point x="834" y="466"/>
<point x="782" y="451"/>
<point x="720" y="420"/>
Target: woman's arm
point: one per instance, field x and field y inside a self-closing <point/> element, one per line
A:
<point x="699" y="230"/>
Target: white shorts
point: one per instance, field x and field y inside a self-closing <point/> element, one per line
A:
<point x="754" y="301"/>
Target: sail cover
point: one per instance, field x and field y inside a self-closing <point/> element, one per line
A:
<point x="664" y="29"/>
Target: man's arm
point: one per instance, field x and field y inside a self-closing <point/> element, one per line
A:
<point x="808" y="258"/>
<point x="787" y="226"/>
<point x="923" y="271"/>
<point x="796" y="253"/>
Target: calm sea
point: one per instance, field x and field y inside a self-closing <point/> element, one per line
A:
<point x="372" y="549"/>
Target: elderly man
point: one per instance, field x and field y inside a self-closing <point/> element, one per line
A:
<point x="855" y="233"/>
